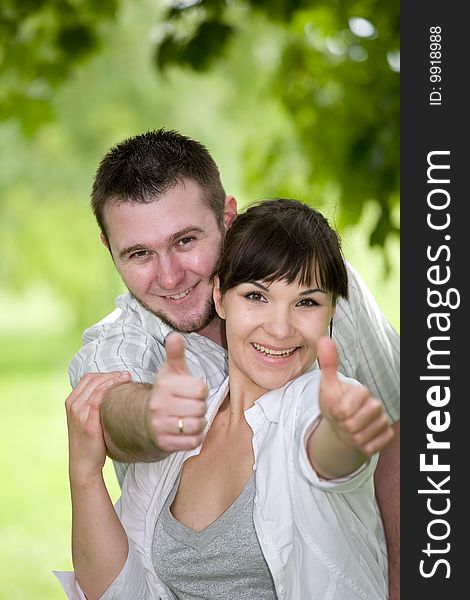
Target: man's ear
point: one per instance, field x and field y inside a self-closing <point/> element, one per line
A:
<point x="230" y="210"/>
<point x="104" y="241"/>
<point x="217" y="296"/>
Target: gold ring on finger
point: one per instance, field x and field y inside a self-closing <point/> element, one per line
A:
<point x="180" y="425"/>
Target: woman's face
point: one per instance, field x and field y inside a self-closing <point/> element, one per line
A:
<point x="272" y="330"/>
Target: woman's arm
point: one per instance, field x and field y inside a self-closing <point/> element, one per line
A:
<point x="99" y="542"/>
<point x="353" y="425"/>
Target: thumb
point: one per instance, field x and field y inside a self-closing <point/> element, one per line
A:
<point x="174" y="345"/>
<point x="328" y="360"/>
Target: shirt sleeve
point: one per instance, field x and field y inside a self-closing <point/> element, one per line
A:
<point x="137" y="578"/>
<point x="353" y="481"/>
<point x="119" y="347"/>
<point x="368" y="345"/>
<point x="129" y="584"/>
<point x="136" y="510"/>
<point x="306" y="420"/>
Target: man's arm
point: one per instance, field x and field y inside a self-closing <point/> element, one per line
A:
<point x="364" y="332"/>
<point x="137" y="419"/>
<point x="123" y="416"/>
<point x="141" y="421"/>
<point x="387" y="489"/>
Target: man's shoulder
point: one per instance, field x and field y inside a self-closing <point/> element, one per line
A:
<point x="357" y="290"/>
<point x="128" y="316"/>
<point x="130" y="338"/>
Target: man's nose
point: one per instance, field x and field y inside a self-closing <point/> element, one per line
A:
<point x="169" y="273"/>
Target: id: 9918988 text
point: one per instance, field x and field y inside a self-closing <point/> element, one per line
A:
<point x="435" y="65"/>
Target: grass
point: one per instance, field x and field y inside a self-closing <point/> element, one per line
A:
<point x="35" y="504"/>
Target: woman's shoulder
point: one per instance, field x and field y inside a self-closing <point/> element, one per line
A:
<point x="301" y="395"/>
<point x="311" y="380"/>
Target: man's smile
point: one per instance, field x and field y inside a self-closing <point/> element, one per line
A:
<point x="181" y="295"/>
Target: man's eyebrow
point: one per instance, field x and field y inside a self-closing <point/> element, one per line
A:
<point x="304" y="293"/>
<point x="173" y="238"/>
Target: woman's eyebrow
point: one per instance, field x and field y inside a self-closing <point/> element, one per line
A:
<point x="259" y="285"/>
<point x="313" y="291"/>
<point x="304" y="293"/>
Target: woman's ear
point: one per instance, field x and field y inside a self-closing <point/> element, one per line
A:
<point x="217" y="296"/>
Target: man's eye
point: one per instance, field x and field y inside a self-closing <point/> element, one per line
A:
<point x="185" y="241"/>
<point x="255" y="297"/>
<point x="139" y="254"/>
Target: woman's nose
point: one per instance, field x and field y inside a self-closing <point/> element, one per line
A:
<point x="278" y="324"/>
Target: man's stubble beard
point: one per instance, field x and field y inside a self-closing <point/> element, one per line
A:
<point x="203" y="320"/>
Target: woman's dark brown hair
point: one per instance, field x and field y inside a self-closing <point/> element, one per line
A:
<point x="283" y="239"/>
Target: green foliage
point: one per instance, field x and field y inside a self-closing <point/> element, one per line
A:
<point x="336" y="79"/>
<point x="41" y="43"/>
<point x="199" y="51"/>
<point x="277" y="91"/>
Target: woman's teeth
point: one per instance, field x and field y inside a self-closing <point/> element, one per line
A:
<point x="270" y="352"/>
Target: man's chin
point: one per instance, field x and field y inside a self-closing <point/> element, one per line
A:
<point x="190" y="325"/>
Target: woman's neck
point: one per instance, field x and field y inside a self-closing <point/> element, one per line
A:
<point x="243" y="393"/>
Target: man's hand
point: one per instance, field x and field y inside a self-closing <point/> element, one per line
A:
<point x="356" y="417"/>
<point x="177" y="404"/>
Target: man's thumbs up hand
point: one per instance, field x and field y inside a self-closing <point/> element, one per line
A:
<point x="175" y="361"/>
<point x="177" y="405"/>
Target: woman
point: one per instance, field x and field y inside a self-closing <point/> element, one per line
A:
<point x="278" y="501"/>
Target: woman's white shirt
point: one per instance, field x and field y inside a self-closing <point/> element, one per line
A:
<point x="322" y="539"/>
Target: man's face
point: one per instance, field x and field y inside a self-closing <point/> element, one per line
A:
<point x="165" y="252"/>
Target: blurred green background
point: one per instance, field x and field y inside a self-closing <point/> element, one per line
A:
<point x="292" y="98"/>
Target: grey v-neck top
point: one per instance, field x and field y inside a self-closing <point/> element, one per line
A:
<point x="224" y="561"/>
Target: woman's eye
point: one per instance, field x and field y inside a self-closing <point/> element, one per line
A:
<point x="255" y="297"/>
<point x="307" y="302"/>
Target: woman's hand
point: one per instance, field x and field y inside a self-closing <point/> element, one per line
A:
<point x="357" y="418"/>
<point x="354" y="424"/>
<point x="87" y="449"/>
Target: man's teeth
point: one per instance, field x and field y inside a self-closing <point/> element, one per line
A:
<point x="270" y="352"/>
<point x="181" y="294"/>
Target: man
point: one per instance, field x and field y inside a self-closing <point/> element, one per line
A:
<point x="162" y="211"/>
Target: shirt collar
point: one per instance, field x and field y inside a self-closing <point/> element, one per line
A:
<point x="271" y="403"/>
